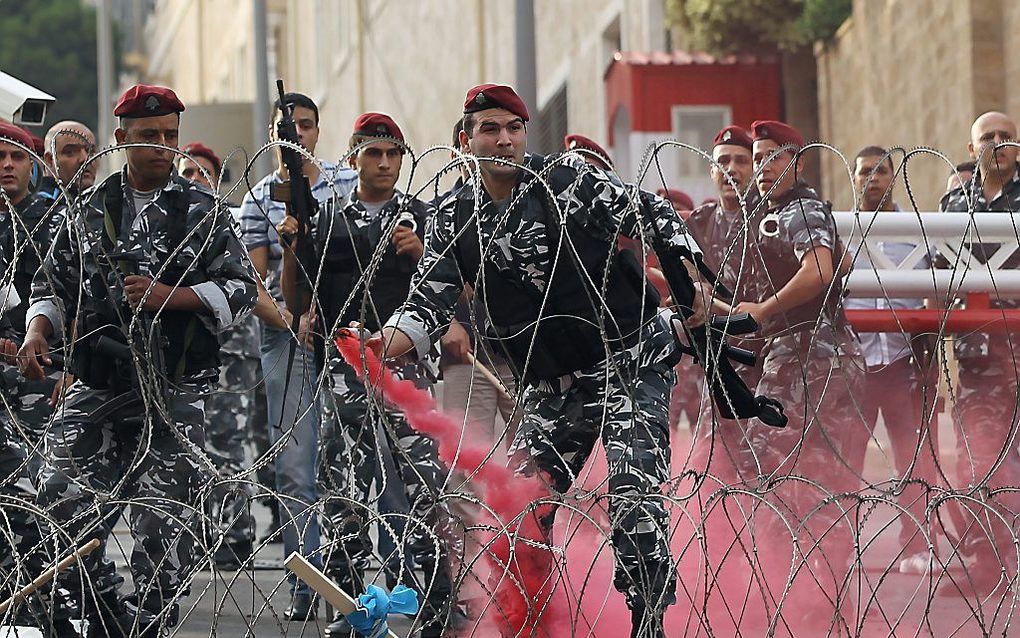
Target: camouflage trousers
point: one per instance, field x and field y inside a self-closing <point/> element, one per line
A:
<point x="235" y="413"/>
<point x="96" y="467"/>
<point x="19" y="531"/>
<point x="986" y="421"/>
<point x="361" y="439"/>
<point x="26" y="410"/>
<point x="627" y="405"/>
<point x="805" y="465"/>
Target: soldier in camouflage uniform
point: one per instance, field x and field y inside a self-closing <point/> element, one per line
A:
<point x="813" y="366"/>
<point x="725" y="231"/>
<point x="147" y="271"/>
<point x="27" y="224"/>
<point x="230" y="408"/>
<point x="986" y="393"/>
<point x="348" y="233"/>
<point x="20" y="215"/>
<point x="581" y="383"/>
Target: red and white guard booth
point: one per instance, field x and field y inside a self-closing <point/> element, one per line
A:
<point x="689" y="97"/>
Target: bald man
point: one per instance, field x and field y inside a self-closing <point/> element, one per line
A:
<point x="69" y="145"/>
<point x="986" y="393"/>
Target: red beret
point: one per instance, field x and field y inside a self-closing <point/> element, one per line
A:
<point x="734" y="135"/>
<point x="16" y="134"/>
<point x="377" y="125"/>
<point x="198" y="149"/>
<point x="143" y="100"/>
<point x="779" y="132"/>
<point x="492" y="96"/>
<point x="38" y="145"/>
<point x="679" y="199"/>
<point x="572" y="141"/>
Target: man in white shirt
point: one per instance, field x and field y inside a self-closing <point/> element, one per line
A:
<point x="895" y="383"/>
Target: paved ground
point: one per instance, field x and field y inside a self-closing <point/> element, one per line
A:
<point x="248" y="603"/>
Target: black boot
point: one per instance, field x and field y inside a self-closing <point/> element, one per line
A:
<point x="112" y="618"/>
<point x="646" y="623"/>
<point x="50" y="621"/>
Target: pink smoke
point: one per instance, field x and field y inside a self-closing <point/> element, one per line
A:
<point x="521" y="574"/>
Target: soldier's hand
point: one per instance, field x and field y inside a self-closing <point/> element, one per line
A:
<point x="456" y="342"/>
<point x="58" y="390"/>
<point x="306" y="329"/>
<point x="136" y="286"/>
<point x="756" y="310"/>
<point x="288" y="231"/>
<point x="34" y="353"/>
<point x="407" y="243"/>
<point x="9" y="351"/>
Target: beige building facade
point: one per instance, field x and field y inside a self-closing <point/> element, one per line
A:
<point x="414" y="59"/>
<point x="912" y="74"/>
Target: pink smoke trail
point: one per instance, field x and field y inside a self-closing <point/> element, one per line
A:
<point x="521" y="575"/>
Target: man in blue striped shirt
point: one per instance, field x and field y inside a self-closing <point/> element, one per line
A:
<point x="296" y="463"/>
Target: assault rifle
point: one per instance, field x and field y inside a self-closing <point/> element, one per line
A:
<point x="296" y="192"/>
<point x="707" y="344"/>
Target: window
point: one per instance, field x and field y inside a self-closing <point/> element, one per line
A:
<point x="612" y="41"/>
<point x="550" y="129"/>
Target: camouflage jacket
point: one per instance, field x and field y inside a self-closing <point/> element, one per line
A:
<point x="210" y="255"/>
<point x="727" y="239"/>
<point x="24" y="240"/>
<point x="795" y="225"/>
<point x="970" y="197"/>
<point x="517" y="237"/>
<point x="332" y="227"/>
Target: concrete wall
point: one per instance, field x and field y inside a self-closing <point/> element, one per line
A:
<point x="909" y="74"/>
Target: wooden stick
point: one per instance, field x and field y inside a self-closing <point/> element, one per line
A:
<point x="490" y="376"/>
<point x="338" y="598"/>
<point x="49" y="575"/>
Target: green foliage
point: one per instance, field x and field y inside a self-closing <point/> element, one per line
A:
<point x="754" y="26"/>
<point x="51" y="44"/>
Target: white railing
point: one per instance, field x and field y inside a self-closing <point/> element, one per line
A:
<point x="951" y="234"/>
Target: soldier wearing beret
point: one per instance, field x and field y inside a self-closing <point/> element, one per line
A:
<point x="235" y="411"/>
<point x="813" y="365"/>
<point x="24" y="236"/>
<point x="347" y="234"/>
<point x="27" y="224"/>
<point x="724" y="229"/>
<point x="601" y="364"/>
<point x="201" y="166"/>
<point x="139" y="283"/>
<point x="589" y="149"/>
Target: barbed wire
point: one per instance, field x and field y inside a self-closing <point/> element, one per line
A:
<point x="765" y="540"/>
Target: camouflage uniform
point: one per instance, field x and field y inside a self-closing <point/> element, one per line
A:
<point x="986" y="394"/>
<point x="728" y="241"/>
<point x="236" y="412"/>
<point x="19" y="533"/>
<point x="153" y="455"/>
<point x="363" y="432"/>
<point x="623" y="399"/>
<point x="812" y="365"/>
<point x="24" y="242"/>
